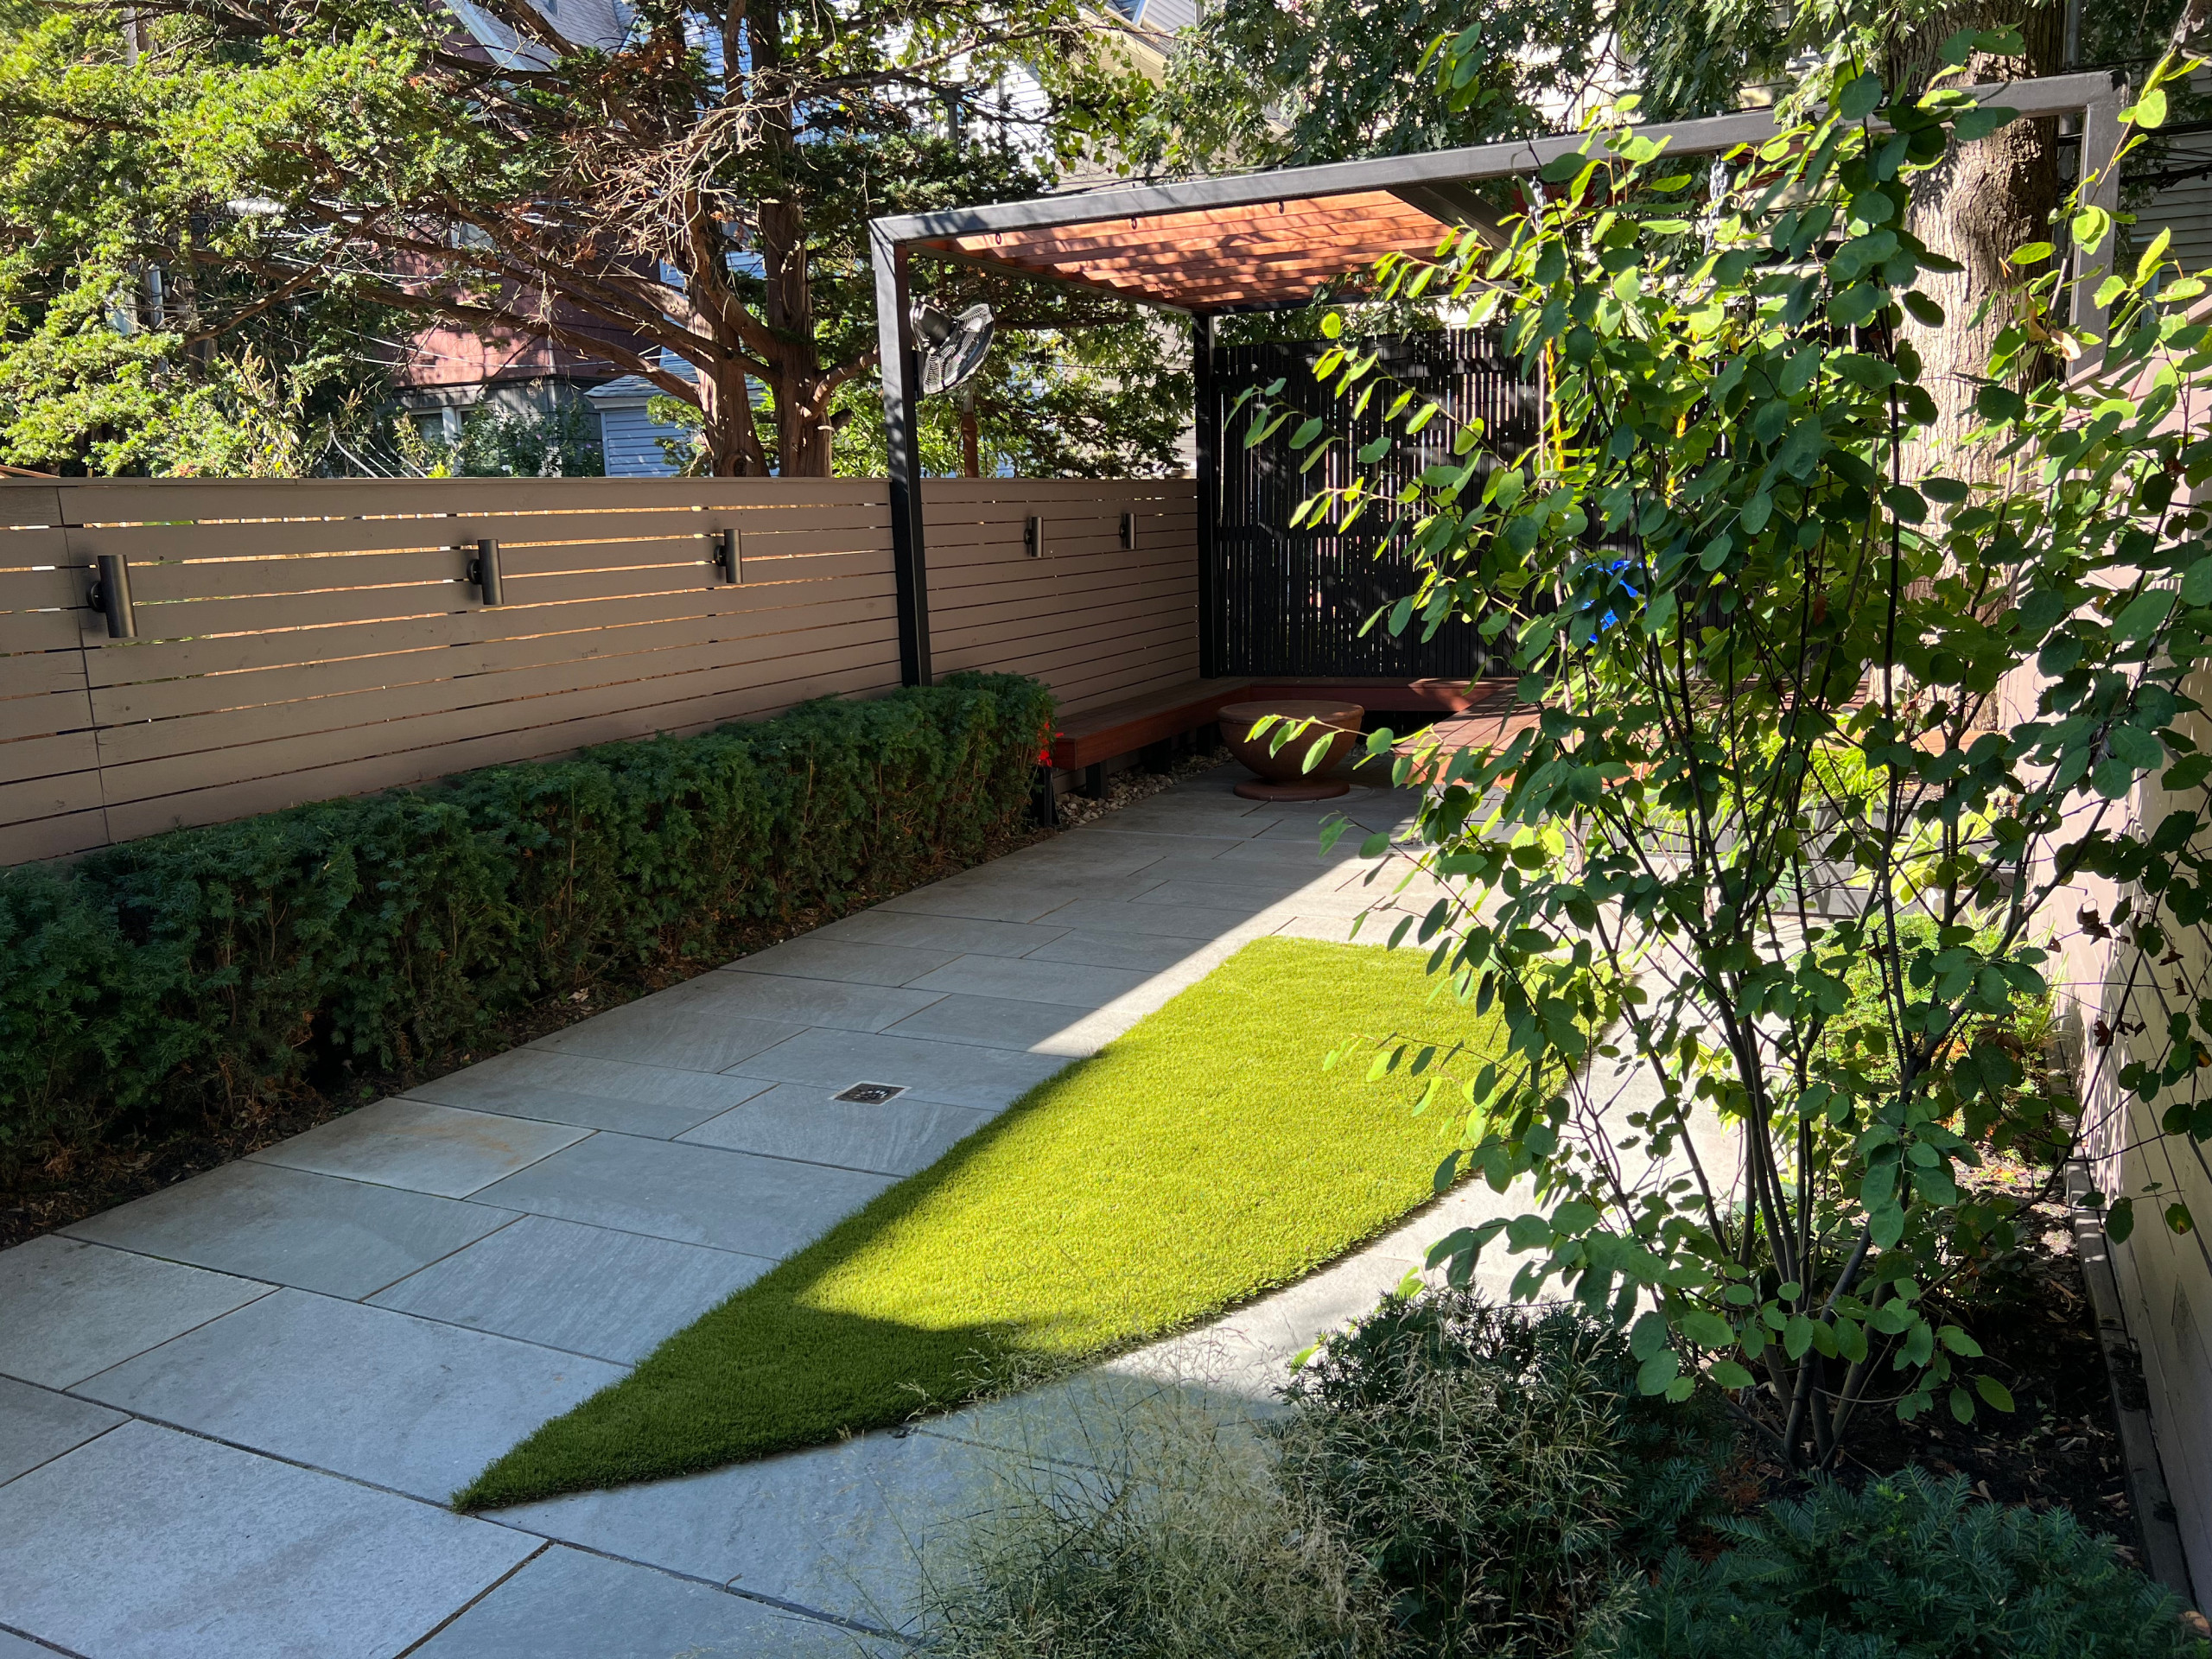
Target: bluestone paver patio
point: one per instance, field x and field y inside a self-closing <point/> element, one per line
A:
<point x="228" y="1411"/>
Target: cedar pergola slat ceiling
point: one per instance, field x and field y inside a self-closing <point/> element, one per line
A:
<point x="1269" y="240"/>
<point x="1265" y="253"/>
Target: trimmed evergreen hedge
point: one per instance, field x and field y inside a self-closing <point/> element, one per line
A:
<point x="202" y="968"/>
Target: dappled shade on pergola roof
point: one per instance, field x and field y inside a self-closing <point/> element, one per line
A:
<point x="1210" y="258"/>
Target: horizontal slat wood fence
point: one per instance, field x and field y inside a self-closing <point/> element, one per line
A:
<point x="300" y="639"/>
<point x="1095" y="621"/>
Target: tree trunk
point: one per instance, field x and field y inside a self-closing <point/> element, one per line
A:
<point x="801" y="390"/>
<point x="1984" y="201"/>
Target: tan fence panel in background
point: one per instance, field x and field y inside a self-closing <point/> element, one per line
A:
<point x="1094" y="620"/>
<point x="49" y="759"/>
<point x="302" y="639"/>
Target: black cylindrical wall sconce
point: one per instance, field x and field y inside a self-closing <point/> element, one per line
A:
<point x="110" y="596"/>
<point x="1129" y="532"/>
<point x="1033" y="537"/>
<point x="729" y="557"/>
<point x="484" y="571"/>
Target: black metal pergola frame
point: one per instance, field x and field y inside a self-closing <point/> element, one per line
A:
<point x="1425" y="180"/>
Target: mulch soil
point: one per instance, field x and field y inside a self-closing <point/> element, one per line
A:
<point x="82" y="1181"/>
<point x="2060" y="1445"/>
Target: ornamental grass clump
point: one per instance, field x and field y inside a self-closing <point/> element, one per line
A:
<point x="1453" y="1480"/>
<point x="1196" y="1551"/>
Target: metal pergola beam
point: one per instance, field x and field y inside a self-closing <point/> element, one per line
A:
<point x="2094" y="96"/>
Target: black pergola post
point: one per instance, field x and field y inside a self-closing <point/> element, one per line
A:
<point x="1206" y="413"/>
<point x="902" y="396"/>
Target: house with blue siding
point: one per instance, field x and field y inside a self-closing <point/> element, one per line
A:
<point x="629" y="437"/>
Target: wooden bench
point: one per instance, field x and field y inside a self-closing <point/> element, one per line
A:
<point x="1087" y="740"/>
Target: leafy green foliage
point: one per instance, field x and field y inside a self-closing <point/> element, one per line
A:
<point x="1772" y="731"/>
<point x="1498" y="1473"/>
<point x="495" y="442"/>
<point x="1908" y="1567"/>
<point x="180" y="177"/>
<point x="1255" y="82"/>
<point x="197" y="969"/>
<point x="1106" y="401"/>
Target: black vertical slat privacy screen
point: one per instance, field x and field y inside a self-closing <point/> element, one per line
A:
<point x="1293" y="601"/>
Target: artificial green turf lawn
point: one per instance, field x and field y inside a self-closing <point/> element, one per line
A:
<point x="1201" y="1158"/>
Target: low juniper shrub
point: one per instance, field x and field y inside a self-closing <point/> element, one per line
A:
<point x="203" y="969"/>
<point x="1907" y="1567"/>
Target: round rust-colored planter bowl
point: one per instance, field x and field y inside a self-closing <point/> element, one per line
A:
<point x="1282" y="774"/>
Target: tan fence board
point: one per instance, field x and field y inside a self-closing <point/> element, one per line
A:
<point x="1064" y="589"/>
<point x="110" y="501"/>
<point x="866" y="523"/>
<point x="25" y="503"/>
<point x="211" y="693"/>
<point x="41" y="631"/>
<point x="64" y="589"/>
<point x="1069" y="667"/>
<point x="49" y="762"/>
<point x="453" y="595"/>
<point x="216" y="804"/>
<point x="145" y="661"/>
<point x="962" y="491"/>
<point x="1068" y="588"/>
<point x="1101" y="515"/>
<point x="289" y="757"/>
<point x="1104" y="625"/>
<point x="1155" y="670"/>
<point x="41" y="673"/>
<point x="56" y="836"/>
<point x="307" y="640"/>
<point x="65" y="710"/>
<point x="981" y="543"/>
<point x="340" y="710"/>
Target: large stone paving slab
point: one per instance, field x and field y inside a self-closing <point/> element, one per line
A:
<point x="829" y="1004"/>
<point x="793" y="1120"/>
<point x="852" y="961"/>
<point x="1098" y="949"/>
<point x="847" y="1529"/>
<point x="69" y="1308"/>
<point x="1160" y="921"/>
<point x="959" y="1075"/>
<point x="694" y="1194"/>
<point x="318" y="1232"/>
<point x="381" y="1396"/>
<point x="422" y="1147"/>
<point x="959" y="935"/>
<point x="995" y="1022"/>
<point x="38" y="1425"/>
<point x="1002" y="901"/>
<point x="585" y="1290"/>
<point x="1032" y="979"/>
<point x="567" y="1605"/>
<point x="622" y="1095"/>
<point x="672" y="1030"/>
<point x="149" y="1544"/>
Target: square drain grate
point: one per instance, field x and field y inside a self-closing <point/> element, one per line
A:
<point x="871" y="1094"/>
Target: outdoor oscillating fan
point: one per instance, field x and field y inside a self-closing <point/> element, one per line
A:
<point x="952" y="347"/>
